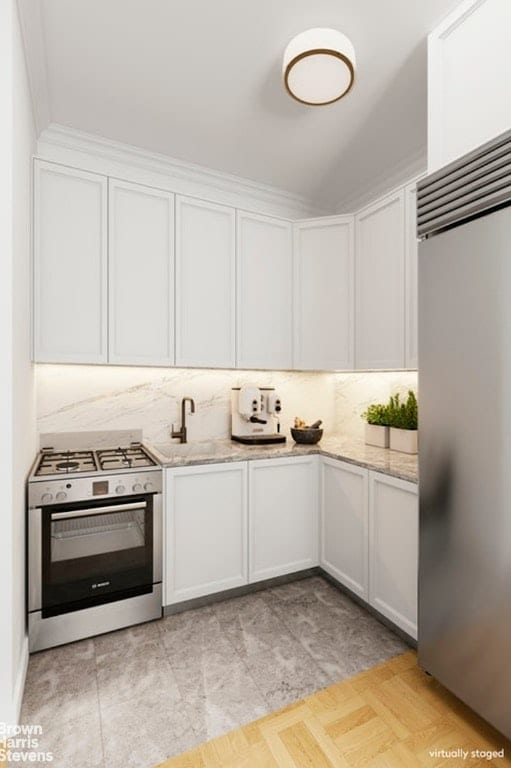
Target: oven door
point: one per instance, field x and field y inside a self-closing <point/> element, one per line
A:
<point x="96" y="552"/>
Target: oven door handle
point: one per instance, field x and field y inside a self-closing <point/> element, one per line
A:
<point x="97" y="511"/>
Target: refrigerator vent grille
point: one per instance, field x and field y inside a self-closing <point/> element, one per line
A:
<point x="467" y="187"/>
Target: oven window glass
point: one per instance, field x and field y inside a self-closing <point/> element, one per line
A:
<point x="95" y="552"/>
<point x="78" y="537"/>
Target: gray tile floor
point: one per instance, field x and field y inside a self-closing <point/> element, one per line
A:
<point x="140" y="695"/>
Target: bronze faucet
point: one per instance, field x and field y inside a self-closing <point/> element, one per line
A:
<point x="181" y="433"/>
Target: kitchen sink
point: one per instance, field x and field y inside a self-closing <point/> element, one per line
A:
<point x="205" y="448"/>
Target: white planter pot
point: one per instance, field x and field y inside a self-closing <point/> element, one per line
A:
<point x="404" y="440"/>
<point x="376" y="435"/>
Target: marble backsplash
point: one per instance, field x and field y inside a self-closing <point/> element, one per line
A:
<point x="73" y="398"/>
<point x="353" y="392"/>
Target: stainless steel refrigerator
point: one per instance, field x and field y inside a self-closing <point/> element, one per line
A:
<point x="464" y="222"/>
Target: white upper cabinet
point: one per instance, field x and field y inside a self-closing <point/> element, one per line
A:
<point x="264" y="292"/>
<point x="324" y="294"/>
<point x="70" y="265"/>
<point x="469" y="60"/>
<point x="205" y="284"/>
<point x="132" y="275"/>
<point x="141" y="275"/>
<point x="411" y="271"/>
<point x="380" y="284"/>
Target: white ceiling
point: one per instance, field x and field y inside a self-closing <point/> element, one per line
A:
<point x="200" y="80"/>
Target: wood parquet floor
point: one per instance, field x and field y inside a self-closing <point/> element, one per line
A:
<point x="391" y="716"/>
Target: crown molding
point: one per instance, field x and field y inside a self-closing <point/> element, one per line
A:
<point x="412" y="167"/>
<point x="32" y="34"/>
<point x="112" y="158"/>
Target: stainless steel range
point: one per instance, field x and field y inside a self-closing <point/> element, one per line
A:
<point x="94" y="542"/>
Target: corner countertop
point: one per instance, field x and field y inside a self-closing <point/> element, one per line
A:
<point x="401" y="465"/>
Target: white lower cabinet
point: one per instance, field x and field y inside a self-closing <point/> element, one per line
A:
<point x="344" y="524"/>
<point x="283" y="530"/>
<point x="236" y="523"/>
<point x="369" y="538"/>
<point x="393" y="549"/>
<point x="206" y="530"/>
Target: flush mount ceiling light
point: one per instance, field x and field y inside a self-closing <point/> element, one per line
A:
<point x="319" y="66"/>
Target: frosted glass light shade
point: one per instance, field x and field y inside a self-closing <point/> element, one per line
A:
<point x="319" y="66"/>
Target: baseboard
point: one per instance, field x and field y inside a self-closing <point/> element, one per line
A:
<point x="21" y="676"/>
<point x="246" y="589"/>
<point x="409" y="640"/>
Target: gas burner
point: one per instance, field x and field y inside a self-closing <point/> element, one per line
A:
<point x="133" y="456"/>
<point x="64" y="462"/>
<point x="67" y="466"/>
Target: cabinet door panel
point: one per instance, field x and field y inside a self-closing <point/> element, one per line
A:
<point x="70" y="265"/>
<point x="206" y="530"/>
<point x="380" y="285"/>
<point x="344" y="526"/>
<point x="141" y="271"/>
<point x="283" y="516"/>
<point x="205" y="284"/>
<point x="264" y="292"/>
<point x="467" y="104"/>
<point x="393" y="550"/>
<point x="324" y="294"/>
<point x="412" y="250"/>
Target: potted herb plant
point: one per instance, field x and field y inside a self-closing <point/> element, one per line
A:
<point x="403" y="422"/>
<point x="376" y="428"/>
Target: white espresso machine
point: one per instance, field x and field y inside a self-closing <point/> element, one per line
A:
<point x="255" y="415"/>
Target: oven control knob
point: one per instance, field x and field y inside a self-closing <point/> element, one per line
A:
<point x="120" y="489"/>
<point x="61" y="496"/>
<point x="137" y="488"/>
<point x="148" y="487"/>
<point x="46" y="498"/>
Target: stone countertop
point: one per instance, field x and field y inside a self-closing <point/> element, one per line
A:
<point x="353" y="451"/>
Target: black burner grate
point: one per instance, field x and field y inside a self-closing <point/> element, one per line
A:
<point x="53" y="462"/>
<point x="133" y="456"/>
<point x="66" y="462"/>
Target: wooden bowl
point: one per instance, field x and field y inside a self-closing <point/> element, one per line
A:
<point x="306" y="436"/>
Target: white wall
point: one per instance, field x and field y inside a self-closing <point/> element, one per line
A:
<point x="6" y="463"/>
<point x="24" y="437"/>
<point x="17" y="144"/>
<point x="469" y="60"/>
